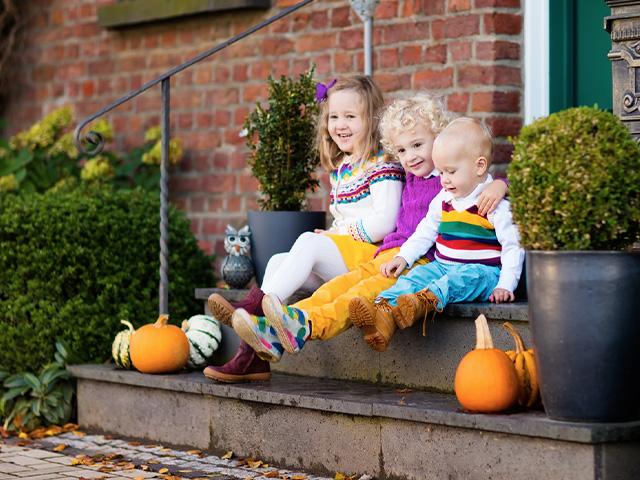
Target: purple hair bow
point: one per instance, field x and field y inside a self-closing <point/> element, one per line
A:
<point x="322" y="90"/>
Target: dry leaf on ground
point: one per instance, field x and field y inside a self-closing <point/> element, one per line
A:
<point x="227" y="455"/>
<point x="59" y="448"/>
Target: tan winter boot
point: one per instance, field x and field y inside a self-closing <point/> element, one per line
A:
<point x="375" y="320"/>
<point x="414" y="306"/>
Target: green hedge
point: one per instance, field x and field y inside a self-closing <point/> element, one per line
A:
<point x="72" y="264"/>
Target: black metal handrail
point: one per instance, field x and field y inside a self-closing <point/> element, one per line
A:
<point x="96" y="141"/>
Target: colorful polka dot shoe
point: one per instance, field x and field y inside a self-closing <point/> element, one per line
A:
<point x="291" y="324"/>
<point x="258" y="333"/>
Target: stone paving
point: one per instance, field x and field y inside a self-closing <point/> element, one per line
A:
<point x="96" y="457"/>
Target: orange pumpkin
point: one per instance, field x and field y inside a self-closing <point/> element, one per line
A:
<point x="159" y="347"/>
<point x="525" y="362"/>
<point x="486" y="379"/>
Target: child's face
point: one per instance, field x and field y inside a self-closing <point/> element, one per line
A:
<point x="413" y="148"/>
<point x="345" y="123"/>
<point x="459" y="174"/>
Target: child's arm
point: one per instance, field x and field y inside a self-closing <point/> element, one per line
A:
<point x="424" y="237"/>
<point x="512" y="256"/>
<point x="385" y="186"/>
<point x="491" y="196"/>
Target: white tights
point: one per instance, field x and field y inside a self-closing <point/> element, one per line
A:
<point x="313" y="260"/>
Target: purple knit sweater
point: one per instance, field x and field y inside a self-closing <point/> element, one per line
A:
<point x="416" y="197"/>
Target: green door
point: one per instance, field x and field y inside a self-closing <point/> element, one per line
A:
<point x="579" y="70"/>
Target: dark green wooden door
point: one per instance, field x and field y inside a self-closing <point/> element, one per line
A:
<point x="580" y="72"/>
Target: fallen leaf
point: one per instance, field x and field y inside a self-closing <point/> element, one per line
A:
<point x="138" y="478"/>
<point x="78" y="433"/>
<point x="163" y="470"/>
<point x="59" y="448"/>
<point x="23" y="435"/>
<point x="144" y="468"/>
<point x="298" y="477"/>
<point x="135" y="444"/>
<point x="70" y="426"/>
<point x="228" y="455"/>
<point x="404" y="390"/>
<point x="194" y="452"/>
<point x="254" y="463"/>
<point x="272" y="474"/>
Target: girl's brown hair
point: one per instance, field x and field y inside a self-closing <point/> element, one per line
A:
<point x="372" y="103"/>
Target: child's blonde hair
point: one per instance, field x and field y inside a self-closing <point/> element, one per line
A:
<point x="372" y="102"/>
<point x="406" y="113"/>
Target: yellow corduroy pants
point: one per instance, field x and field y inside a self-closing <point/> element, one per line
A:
<point x="328" y="307"/>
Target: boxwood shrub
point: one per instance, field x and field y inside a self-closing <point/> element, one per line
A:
<point x="575" y="182"/>
<point x="72" y="264"/>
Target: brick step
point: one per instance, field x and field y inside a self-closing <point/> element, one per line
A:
<point x="331" y="425"/>
<point x="411" y="360"/>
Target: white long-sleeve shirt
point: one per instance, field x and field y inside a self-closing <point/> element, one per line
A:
<point x="511" y="255"/>
<point x="365" y="198"/>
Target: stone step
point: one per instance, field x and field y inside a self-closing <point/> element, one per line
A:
<point x="330" y="425"/>
<point x="411" y="360"/>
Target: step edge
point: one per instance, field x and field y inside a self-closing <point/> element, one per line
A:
<point x="538" y="426"/>
<point x="514" y="311"/>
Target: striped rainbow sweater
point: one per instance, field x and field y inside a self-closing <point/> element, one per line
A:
<point x="466" y="237"/>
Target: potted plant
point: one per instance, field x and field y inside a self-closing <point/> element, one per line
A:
<point x="575" y="191"/>
<point x="283" y="160"/>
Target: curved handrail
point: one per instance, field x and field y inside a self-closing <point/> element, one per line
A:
<point x="94" y="138"/>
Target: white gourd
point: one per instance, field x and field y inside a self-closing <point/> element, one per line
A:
<point x="204" y="334"/>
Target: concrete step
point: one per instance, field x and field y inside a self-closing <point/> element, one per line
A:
<point x="411" y="360"/>
<point x="329" y="425"/>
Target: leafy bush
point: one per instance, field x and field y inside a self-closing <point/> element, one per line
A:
<point x="30" y="401"/>
<point x="575" y="182"/>
<point x="73" y="263"/>
<point x="45" y="157"/>
<point x="281" y="138"/>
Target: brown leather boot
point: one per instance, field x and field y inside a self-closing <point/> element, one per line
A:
<point x="414" y="306"/>
<point x="375" y="320"/>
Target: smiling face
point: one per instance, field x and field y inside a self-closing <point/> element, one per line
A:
<point x="345" y="122"/>
<point x="413" y="149"/>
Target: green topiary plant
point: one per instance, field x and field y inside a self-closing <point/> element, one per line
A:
<point x="281" y="138"/>
<point x="575" y="182"/>
<point x="74" y="263"/>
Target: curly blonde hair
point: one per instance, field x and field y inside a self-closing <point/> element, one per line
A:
<point x="372" y="103"/>
<point x="406" y="113"/>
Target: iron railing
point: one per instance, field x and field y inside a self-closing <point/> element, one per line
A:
<point x="96" y="143"/>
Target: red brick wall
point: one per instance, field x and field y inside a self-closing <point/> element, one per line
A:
<point x="470" y="51"/>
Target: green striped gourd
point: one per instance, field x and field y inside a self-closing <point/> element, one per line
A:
<point x="204" y="337"/>
<point x="120" y="346"/>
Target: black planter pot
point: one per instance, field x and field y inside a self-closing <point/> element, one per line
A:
<point x="275" y="232"/>
<point x="584" y="309"/>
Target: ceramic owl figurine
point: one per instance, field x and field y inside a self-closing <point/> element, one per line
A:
<point x="237" y="267"/>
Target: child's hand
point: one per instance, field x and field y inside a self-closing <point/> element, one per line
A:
<point x="491" y="196"/>
<point x="500" y="295"/>
<point x="394" y="267"/>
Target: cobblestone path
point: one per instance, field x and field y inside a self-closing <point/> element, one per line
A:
<point x="98" y="457"/>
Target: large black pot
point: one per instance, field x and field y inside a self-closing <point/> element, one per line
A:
<point x="584" y="310"/>
<point x="275" y="232"/>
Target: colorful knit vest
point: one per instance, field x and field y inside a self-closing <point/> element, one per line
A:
<point x="466" y="237"/>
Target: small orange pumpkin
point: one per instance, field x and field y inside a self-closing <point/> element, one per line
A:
<point x="159" y="347"/>
<point x="525" y="362"/>
<point x="486" y="379"/>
